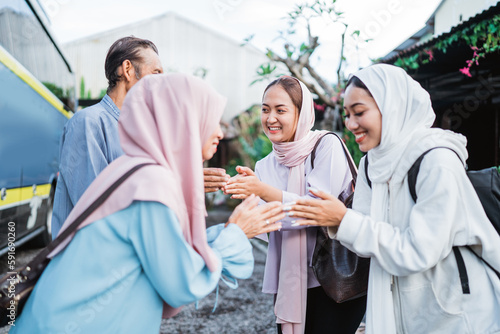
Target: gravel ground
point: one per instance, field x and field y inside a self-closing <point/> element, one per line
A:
<point x="244" y="310"/>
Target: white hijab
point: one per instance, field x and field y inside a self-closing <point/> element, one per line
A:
<point x="407" y="117"/>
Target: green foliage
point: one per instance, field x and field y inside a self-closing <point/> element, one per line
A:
<point x="260" y="147"/>
<point x="252" y="143"/>
<point x="266" y="72"/>
<point x="408" y="63"/>
<point x="352" y="146"/>
<point x="82" y="87"/>
<point x="201" y="72"/>
<point x="300" y="18"/>
<point x="247" y="40"/>
<point x="482" y="37"/>
<point x="102" y="93"/>
<point x="56" y="90"/>
<point x="231" y="167"/>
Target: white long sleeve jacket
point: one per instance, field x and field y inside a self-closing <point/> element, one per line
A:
<point x="415" y="247"/>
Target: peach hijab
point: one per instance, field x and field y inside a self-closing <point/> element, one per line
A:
<point x="287" y="264"/>
<point x="165" y="120"/>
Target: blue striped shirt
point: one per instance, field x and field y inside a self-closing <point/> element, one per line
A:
<point x="89" y="143"/>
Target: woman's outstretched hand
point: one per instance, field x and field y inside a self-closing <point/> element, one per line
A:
<point x="244" y="184"/>
<point x="256" y="219"/>
<point x="326" y="211"/>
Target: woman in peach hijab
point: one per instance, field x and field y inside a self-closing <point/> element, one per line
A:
<point x="146" y="248"/>
<point x="286" y="175"/>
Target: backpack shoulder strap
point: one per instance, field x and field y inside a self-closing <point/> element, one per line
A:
<point x="412" y="181"/>
<point x="366" y="172"/>
<point x="413" y="172"/>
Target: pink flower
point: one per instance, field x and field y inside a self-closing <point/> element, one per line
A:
<point x="466" y="71"/>
<point x="431" y="55"/>
<point x="319" y="107"/>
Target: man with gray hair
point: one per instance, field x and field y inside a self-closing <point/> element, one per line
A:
<point x="90" y="139"/>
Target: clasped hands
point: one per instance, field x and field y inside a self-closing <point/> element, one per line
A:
<point x="324" y="210"/>
<point x="244" y="184"/>
<point x="252" y="218"/>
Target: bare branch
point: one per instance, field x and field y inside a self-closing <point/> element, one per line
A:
<point x="341" y="62"/>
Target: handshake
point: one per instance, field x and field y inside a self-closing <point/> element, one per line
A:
<point x="317" y="209"/>
<point x="239" y="186"/>
<point x="252" y="218"/>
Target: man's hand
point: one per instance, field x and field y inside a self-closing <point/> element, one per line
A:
<point x="214" y="179"/>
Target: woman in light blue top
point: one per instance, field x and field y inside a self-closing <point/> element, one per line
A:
<point x="146" y="248"/>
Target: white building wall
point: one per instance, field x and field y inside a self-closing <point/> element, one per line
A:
<point x="184" y="46"/>
<point x="452" y="12"/>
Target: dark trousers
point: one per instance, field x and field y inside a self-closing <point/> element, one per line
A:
<point x="325" y="316"/>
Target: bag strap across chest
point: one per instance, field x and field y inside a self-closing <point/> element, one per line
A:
<point x="412" y="181"/>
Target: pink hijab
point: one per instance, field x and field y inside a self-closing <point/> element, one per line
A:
<point x="165" y="120"/>
<point x="291" y="259"/>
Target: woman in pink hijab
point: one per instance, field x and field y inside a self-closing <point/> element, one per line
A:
<point x="146" y="248"/>
<point x="286" y="175"/>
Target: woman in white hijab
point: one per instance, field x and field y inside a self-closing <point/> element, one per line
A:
<point x="414" y="284"/>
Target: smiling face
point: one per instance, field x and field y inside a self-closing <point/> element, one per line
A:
<point x="279" y="116"/>
<point x="363" y="117"/>
<point x="210" y="146"/>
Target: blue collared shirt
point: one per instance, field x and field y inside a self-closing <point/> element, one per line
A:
<point x="89" y="143"/>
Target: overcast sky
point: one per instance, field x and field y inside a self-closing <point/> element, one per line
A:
<point x="387" y="22"/>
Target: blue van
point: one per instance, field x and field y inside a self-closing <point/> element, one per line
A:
<point x="37" y="97"/>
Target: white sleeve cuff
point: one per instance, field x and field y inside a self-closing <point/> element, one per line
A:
<point x="349" y="226"/>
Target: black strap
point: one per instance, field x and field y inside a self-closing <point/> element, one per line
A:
<point x="412" y="182"/>
<point x="42" y="256"/>
<point x="354" y="172"/>
<point x="489" y="265"/>
<point x="415" y="168"/>
<point x="462" y="270"/>
<point x="366" y="172"/>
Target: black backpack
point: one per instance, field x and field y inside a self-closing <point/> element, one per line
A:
<point x="486" y="182"/>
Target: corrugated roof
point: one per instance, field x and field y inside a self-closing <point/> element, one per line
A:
<point x="486" y="14"/>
